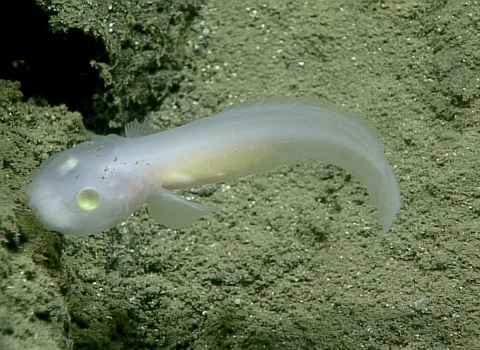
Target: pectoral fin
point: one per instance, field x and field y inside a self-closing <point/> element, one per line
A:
<point x="173" y="211"/>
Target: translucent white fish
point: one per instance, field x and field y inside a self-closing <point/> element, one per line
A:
<point x="98" y="184"/>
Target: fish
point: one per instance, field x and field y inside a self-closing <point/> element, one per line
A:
<point x="99" y="183"/>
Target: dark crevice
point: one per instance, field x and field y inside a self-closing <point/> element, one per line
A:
<point x="51" y="67"/>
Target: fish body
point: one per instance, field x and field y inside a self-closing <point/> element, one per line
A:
<point x="98" y="184"/>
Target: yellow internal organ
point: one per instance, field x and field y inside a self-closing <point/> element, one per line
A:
<point x="221" y="166"/>
<point x="88" y="199"/>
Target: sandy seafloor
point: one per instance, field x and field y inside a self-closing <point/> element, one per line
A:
<point x="274" y="268"/>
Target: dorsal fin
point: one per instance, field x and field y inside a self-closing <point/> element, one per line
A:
<point x="136" y="129"/>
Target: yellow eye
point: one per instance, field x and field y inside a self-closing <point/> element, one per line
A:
<point x="88" y="199"/>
